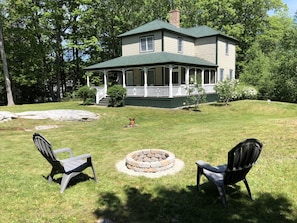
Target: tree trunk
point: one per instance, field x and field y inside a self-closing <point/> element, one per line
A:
<point x="10" y="100"/>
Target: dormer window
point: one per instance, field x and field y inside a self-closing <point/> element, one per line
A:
<point x="179" y="45"/>
<point x="147" y="44"/>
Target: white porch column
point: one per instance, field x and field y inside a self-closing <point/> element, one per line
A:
<point x="170" y="82"/>
<point x="124" y="77"/>
<point x="187" y="77"/>
<point x="202" y="77"/>
<point x="88" y="80"/>
<point x="105" y="81"/>
<point x="195" y="76"/>
<point x="145" y="81"/>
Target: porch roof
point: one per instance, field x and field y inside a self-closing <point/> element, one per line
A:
<point x="150" y="59"/>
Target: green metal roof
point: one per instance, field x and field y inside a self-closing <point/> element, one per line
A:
<point x="148" y="59"/>
<point x="195" y="32"/>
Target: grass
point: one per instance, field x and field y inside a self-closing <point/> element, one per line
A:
<point x="209" y="135"/>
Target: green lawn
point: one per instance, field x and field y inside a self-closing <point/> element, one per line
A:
<point x="209" y="135"/>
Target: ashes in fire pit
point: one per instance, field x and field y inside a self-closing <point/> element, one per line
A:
<point x="150" y="160"/>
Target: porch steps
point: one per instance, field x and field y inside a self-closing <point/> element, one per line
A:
<point x="104" y="101"/>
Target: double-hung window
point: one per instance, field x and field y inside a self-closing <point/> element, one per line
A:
<point x="227" y="48"/>
<point x="231" y="74"/>
<point x="179" y="45"/>
<point x="221" y="74"/>
<point x="147" y="44"/>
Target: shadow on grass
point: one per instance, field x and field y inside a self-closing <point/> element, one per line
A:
<point x="75" y="180"/>
<point x="219" y="104"/>
<point x="188" y="205"/>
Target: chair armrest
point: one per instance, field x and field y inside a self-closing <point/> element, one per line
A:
<point x="62" y="150"/>
<point x="204" y="165"/>
<point x="83" y="156"/>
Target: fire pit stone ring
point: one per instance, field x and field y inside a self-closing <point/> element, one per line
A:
<point x="150" y="160"/>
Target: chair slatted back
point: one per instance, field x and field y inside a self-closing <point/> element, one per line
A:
<point x="241" y="159"/>
<point x="45" y="148"/>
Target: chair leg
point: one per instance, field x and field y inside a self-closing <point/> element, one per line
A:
<point x="65" y="180"/>
<point x="222" y="194"/>
<point x="50" y="177"/>
<point x="93" y="168"/>
<point x="94" y="173"/>
<point x="248" y="188"/>
<point x="199" y="173"/>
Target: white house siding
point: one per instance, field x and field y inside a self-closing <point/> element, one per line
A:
<point x="130" y="44"/>
<point x="226" y="61"/>
<point x="171" y="44"/>
<point x="205" y="48"/>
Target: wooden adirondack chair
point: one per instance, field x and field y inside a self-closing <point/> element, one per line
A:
<point x="69" y="167"/>
<point x="240" y="160"/>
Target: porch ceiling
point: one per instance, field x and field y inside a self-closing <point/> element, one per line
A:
<point x="149" y="59"/>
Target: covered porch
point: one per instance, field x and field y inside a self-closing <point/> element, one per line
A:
<point x="152" y="80"/>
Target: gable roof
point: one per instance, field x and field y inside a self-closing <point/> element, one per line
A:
<point x="195" y="32"/>
<point x="148" y="59"/>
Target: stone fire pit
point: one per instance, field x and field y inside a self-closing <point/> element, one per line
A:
<point x="150" y="160"/>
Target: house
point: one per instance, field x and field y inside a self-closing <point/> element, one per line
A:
<point x="160" y="61"/>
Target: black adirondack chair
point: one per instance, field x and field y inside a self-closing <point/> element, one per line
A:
<point x="69" y="167"/>
<point x="240" y="160"/>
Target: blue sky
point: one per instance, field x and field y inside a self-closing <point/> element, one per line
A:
<point x="292" y="4"/>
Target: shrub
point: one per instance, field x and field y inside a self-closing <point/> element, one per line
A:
<point x="246" y="92"/>
<point x="226" y="90"/>
<point x="117" y="94"/>
<point x="231" y="90"/>
<point x="86" y="93"/>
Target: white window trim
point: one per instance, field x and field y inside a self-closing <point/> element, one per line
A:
<point x="146" y="42"/>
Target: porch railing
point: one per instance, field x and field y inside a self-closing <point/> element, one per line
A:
<point x="153" y="91"/>
<point x="100" y="94"/>
<point x="162" y="91"/>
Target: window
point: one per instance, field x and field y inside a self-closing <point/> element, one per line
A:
<point x="209" y="77"/>
<point x="227" y="48"/>
<point x="231" y="74"/>
<point x="221" y="74"/>
<point x="146" y="44"/>
<point x="179" y="45"/>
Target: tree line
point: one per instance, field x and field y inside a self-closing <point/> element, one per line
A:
<point x="49" y="42"/>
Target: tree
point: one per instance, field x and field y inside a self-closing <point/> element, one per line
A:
<point x="271" y="60"/>
<point x="10" y="100"/>
<point x="196" y="96"/>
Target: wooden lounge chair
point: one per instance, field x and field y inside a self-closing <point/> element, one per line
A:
<point x="240" y="160"/>
<point x="69" y="167"/>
